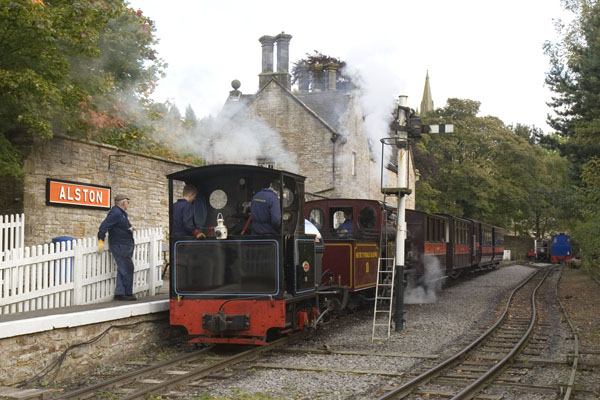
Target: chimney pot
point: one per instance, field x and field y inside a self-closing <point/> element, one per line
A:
<point x="303" y="77"/>
<point x="332" y="75"/>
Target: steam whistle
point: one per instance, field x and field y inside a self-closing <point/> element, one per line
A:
<point x="220" y="229"/>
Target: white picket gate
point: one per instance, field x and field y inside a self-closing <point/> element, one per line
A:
<point x="12" y="233"/>
<point x="74" y="273"/>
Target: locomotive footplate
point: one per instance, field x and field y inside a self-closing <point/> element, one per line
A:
<point x="221" y="322"/>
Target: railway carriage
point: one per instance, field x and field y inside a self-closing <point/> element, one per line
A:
<point x="498" y="238"/>
<point x="459" y="250"/>
<point x="428" y="235"/>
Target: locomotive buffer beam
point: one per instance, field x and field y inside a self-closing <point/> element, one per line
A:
<point x="396" y="191"/>
<point x="221" y="323"/>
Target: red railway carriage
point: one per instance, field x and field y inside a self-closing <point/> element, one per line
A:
<point x="498" y="239"/>
<point x="483" y="243"/>
<point x="459" y="250"/>
<point x="235" y="286"/>
<point x="351" y="231"/>
<point x="428" y="235"/>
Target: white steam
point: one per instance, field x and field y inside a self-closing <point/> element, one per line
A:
<point x="230" y="137"/>
<point x="431" y="284"/>
<point x="372" y="72"/>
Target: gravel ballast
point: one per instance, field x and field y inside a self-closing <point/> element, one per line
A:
<point x="432" y="328"/>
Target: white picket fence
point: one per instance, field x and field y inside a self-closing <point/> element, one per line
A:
<point x="12" y="233"/>
<point x="74" y="272"/>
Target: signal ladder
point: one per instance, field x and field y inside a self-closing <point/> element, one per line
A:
<point x="384" y="290"/>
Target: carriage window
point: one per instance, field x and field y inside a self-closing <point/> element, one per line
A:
<point x="316" y="216"/>
<point x="367" y="218"/>
<point x="338" y="218"/>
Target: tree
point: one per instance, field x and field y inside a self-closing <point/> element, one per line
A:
<point x="74" y="67"/>
<point x="485" y="170"/>
<point x="573" y="78"/>
<point x="318" y="62"/>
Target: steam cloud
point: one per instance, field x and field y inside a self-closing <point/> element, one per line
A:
<point x="431" y="285"/>
<point x="378" y="86"/>
<point x="230" y="137"/>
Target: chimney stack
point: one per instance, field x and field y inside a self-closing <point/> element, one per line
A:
<point x="332" y="75"/>
<point x="283" y="59"/>
<point x="303" y="77"/>
<point x="267" y="60"/>
<point x="316" y="73"/>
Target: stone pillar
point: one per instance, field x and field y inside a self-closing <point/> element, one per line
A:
<point x="267" y="60"/>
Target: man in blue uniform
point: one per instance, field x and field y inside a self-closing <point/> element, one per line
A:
<point x="120" y="236"/>
<point x="266" y="211"/>
<point x="347" y="227"/>
<point x="183" y="214"/>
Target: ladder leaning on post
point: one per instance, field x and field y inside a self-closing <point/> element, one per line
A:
<point x="384" y="289"/>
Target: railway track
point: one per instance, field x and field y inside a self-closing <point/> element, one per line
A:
<point x="170" y="376"/>
<point x="469" y="371"/>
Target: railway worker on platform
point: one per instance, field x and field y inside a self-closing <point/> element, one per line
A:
<point x="265" y="210"/>
<point x="120" y="237"/>
<point x="347" y="227"/>
<point x="183" y="214"/>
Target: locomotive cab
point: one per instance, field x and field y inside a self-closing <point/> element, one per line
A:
<point x="234" y="285"/>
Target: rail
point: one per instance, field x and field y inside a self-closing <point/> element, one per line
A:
<point x="405" y="389"/>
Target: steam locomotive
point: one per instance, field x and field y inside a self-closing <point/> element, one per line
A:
<point x="238" y="287"/>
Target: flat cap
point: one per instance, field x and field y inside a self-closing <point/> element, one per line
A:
<point x="120" y="197"/>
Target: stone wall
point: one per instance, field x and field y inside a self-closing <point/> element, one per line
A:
<point x="141" y="177"/>
<point x="518" y="246"/>
<point x="27" y="355"/>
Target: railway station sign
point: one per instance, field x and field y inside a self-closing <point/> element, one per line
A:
<point x="75" y="194"/>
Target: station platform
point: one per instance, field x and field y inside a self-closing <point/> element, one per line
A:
<point x="31" y="322"/>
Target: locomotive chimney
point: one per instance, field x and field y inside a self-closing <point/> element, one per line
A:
<point x="267" y="60"/>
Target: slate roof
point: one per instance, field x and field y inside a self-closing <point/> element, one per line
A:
<point x="329" y="105"/>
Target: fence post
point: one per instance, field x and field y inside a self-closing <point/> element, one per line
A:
<point x="152" y="263"/>
<point x="77" y="272"/>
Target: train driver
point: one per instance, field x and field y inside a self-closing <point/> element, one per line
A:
<point x="265" y="210"/>
<point x="347" y="227"/>
<point x="183" y="214"/>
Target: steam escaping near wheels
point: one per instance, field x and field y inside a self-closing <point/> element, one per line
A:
<point x="426" y="290"/>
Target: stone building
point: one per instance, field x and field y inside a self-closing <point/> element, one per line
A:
<point x="321" y="124"/>
<point x="87" y="165"/>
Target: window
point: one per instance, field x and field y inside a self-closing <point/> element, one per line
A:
<point x="367" y="218"/>
<point x="339" y="218"/>
<point x="353" y="163"/>
<point x="317" y="216"/>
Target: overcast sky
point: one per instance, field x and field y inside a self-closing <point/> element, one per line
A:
<point x="485" y="50"/>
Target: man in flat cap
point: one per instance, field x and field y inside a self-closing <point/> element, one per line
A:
<point x="120" y="236"/>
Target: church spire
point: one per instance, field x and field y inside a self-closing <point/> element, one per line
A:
<point x="427" y="102"/>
